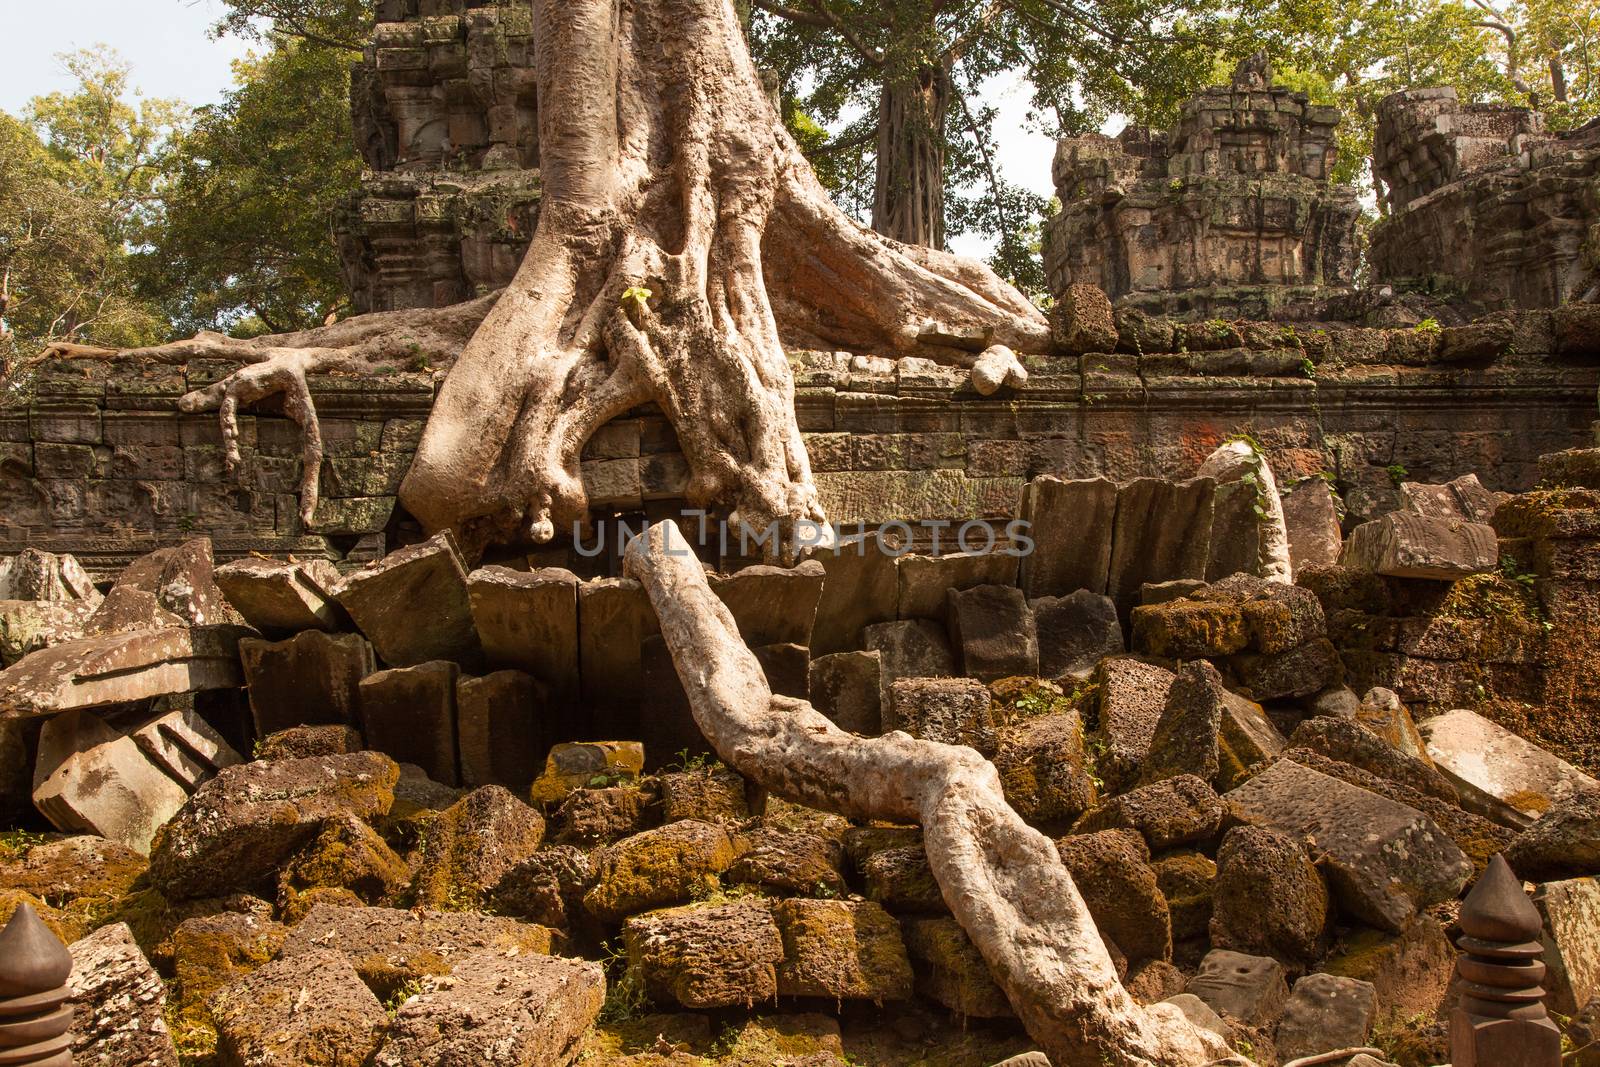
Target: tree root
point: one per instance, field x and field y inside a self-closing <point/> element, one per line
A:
<point x="1003" y="880"/>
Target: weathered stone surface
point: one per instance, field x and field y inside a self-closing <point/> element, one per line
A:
<point x="498" y="1011"/>
<point x="1044" y="770"/>
<point x="1382" y="712"/>
<point x="614" y="619"/>
<point x="1249" y="988"/>
<point x="992" y="629"/>
<point x="862" y="588"/>
<point x="389" y="947"/>
<point x="501" y="729"/>
<point x="787" y="861"/>
<point x="1465" y="498"/>
<point x="1412" y="972"/>
<point x="413" y="604"/>
<point x="185" y="746"/>
<point x="772" y="605"/>
<point x="1269" y="899"/>
<point x="312" y="679"/>
<point x="1181" y="810"/>
<point x="409" y="714"/>
<point x="573" y="765"/>
<point x="1499" y="774"/>
<point x="1082" y="320"/>
<point x="847" y="688"/>
<point x="706" y="955"/>
<point x="1402" y="545"/>
<point x="592" y="817"/>
<point x="120" y="668"/>
<point x="662" y="866"/>
<point x="1075" y="633"/>
<point x="127" y="609"/>
<point x="1571" y="938"/>
<point x="210" y="953"/>
<point x="45" y="577"/>
<point x="1325" y="1013"/>
<point x="282" y="598"/>
<point x="714" y="794"/>
<point x="955" y="711"/>
<point x="119" y="1003"/>
<point x="1071" y="525"/>
<point x="181" y="580"/>
<point x="1187" y="881"/>
<point x="1312" y="519"/>
<point x="472" y="844"/>
<point x="1133" y="696"/>
<point x="1299" y="672"/>
<point x="529" y="621"/>
<point x="901" y="880"/>
<point x="1162" y="532"/>
<point x="1201" y="1015"/>
<point x="1349" y="742"/>
<point x="786" y="668"/>
<point x="926" y="581"/>
<point x="547" y="888"/>
<point x="240" y="826"/>
<point x="347" y="854"/>
<point x="951" y="971"/>
<point x="909" y="648"/>
<point x="1186" y="738"/>
<point x="299" y="742"/>
<point x="1189" y="629"/>
<point x="843" y="950"/>
<point x="1564" y="843"/>
<point x="85" y="879"/>
<point x="308" y="1010"/>
<point x="1384" y="861"/>
<point x="1112" y="871"/>
<point x="29" y="625"/>
<point x="90" y="778"/>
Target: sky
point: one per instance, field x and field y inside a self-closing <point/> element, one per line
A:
<point x="172" y="54"/>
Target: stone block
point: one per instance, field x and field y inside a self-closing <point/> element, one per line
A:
<point x="993" y="629"/>
<point x="181" y="578"/>
<point x="1071" y="525"/>
<point x="44" y="576"/>
<point x="614" y="620"/>
<point x="119" y="1003"/>
<point x="1325" y="1013"/>
<point x="89" y="778"/>
<point x="1162" y="532"/>
<point x="909" y="648"/>
<point x="1269" y="899"/>
<point x="951" y="971"/>
<point x="1571" y="938"/>
<point x="456" y="866"/>
<point x="706" y="955"/>
<point x="300" y="1011"/>
<point x="529" y="621"/>
<point x="772" y="605"/>
<point x="311" y="679"/>
<point x="1186" y="881"/>
<point x="1384" y="860"/>
<point x="121" y="668"/>
<point x="1189" y="629"/>
<point x="282" y="597"/>
<point x="1251" y="989"/>
<point x="522" y="1009"/>
<point x="1044" y="770"/>
<point x="29" y="625"/>
<point x="861" y="587"/>
<point x="841" y="950"/>
<point x="409" y="714"/>
<point x="1312" y="520"/>
<point x="1346" y="741"/>
<point x="790" y="861"/>
<point x="185" y="746"/>
<point x="572" y="765"/>
<point x="413" y="605"/>
<point x="901" y="880"/>
<point x="1564" y="843"/>
<point x="847" y="688"/>
<point x="1465" y="499"/>
<point x="1183" y="810"/>
<point x="1402" y="545"/>
<point x="662" y="866"/>
<point x="1500" y="775"/>
<point x="502" y="726"/>
<point x="1133" y="695"/>
<point x="1299" y="672"/>
<point x="786" y="667"/>
<point x="954" y="711"/>
<point x="1075" y="633"/>
<point x="926" y="581"/>
<point x="714" y="794"/>
<point x="1111" y="869"/>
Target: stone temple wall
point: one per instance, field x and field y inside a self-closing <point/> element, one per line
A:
<point x="1483" y="204"/>
<point x="102" y="465"/>
<point x="446" y="118"/>
<point x="1232" y="214"/>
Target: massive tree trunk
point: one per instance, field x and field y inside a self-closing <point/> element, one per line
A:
<point x="1003" y="880"/>
<point x="908" y="203"/>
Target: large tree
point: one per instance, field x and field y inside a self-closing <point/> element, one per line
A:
<point x="683" y="239"/>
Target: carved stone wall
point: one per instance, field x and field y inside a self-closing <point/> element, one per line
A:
<point x="446" y="117"/>
<point x="101" y="464"/>
<point x="1483" y="203"/>
<point x="1232" y="214"/>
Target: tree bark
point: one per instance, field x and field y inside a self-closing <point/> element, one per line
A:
<point x="908" y="202"/>
<point x="1003" y="880"/>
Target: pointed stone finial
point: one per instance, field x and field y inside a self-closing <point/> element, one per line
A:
<point x="1500" y="1020"/>
<point x="35" y="1018"/>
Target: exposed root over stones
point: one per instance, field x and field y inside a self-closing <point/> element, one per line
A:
<point x="1003" y="880"/>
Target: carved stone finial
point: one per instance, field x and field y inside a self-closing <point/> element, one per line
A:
<point x="1501" y="1019"/>
<point x="35" y="1018"/>
<point x="1254" y="72"/>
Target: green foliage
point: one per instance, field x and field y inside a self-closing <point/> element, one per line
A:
<point x="625" y="995"/>
<point x="1397" y="473"/>
<point x="337" y="24"/>
<point x="247" y="231"/>
<point x="1429" y="326"/>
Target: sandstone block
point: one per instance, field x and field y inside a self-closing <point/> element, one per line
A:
<point x="790" y="862"/>
<point x="951" y="971"/>
<point x="846" y="687"/>
<point x="1249" y="988"/>
<point x="1162" y="532"/>
<point x="1075" y="632"/>
<point x="1325" y="1013"/>
<point x="1071" y="525"/>
<point x="772" y="605"/>
<point x="572" y="765"/>
<point x="1112" y="871"/>
<point x="1313" y="524"/>
<point x="1044" y="770"/>
<point x="993" y="629"/>
<point x="955" y="711"/>
<point x="1465" y="499"/>
<point x="1384" y="860"/>
<point x="310" y="679"/>
<point x="409" y="714"/>
<point x="413" y="604"/>
<point x="472" y="844"/>
<point x="1564" y="843"/>
<point x="1571" y="938"/>
<point x="185" y="746"/>
<point x="909" y="648"/>
<point x="44" y="577"/>
<point x="1412" y="972"/>
<point x="90" y="778"/>
<point x="501" y="728"/>
<point x="29" y="625"/>
<point x="663" y="866"/>
<point x="862" y="587"/>
<point x="1182" y="810"/>
<point x="926" y="581"/>
<point x="1382" y="712"/>
<point x="528" y="621"/>
<point x="1133" y="696"/>
<point x="301" y="1011"/>
<point x="119" y="1003"/>
<point x="1499" y="774"/>
<point x="842" y="950"/>
<point x="706" y="956"/>
<point x="1402" y="545"/>
<point x="181" y="578"/>
<point x="499" y="1011"/>
<point x="121" y="668"/>
<point x="1269" y="900"/>
<point x="1349" y="742"/>
<point x="614" y="619"/>
<point x="282" y="598"/>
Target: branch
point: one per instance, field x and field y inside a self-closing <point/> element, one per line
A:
<point x="823" y="18"/>
<point x="959" y="46"/>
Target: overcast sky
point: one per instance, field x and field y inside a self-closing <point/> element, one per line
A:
<point x="173" y="56"/>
